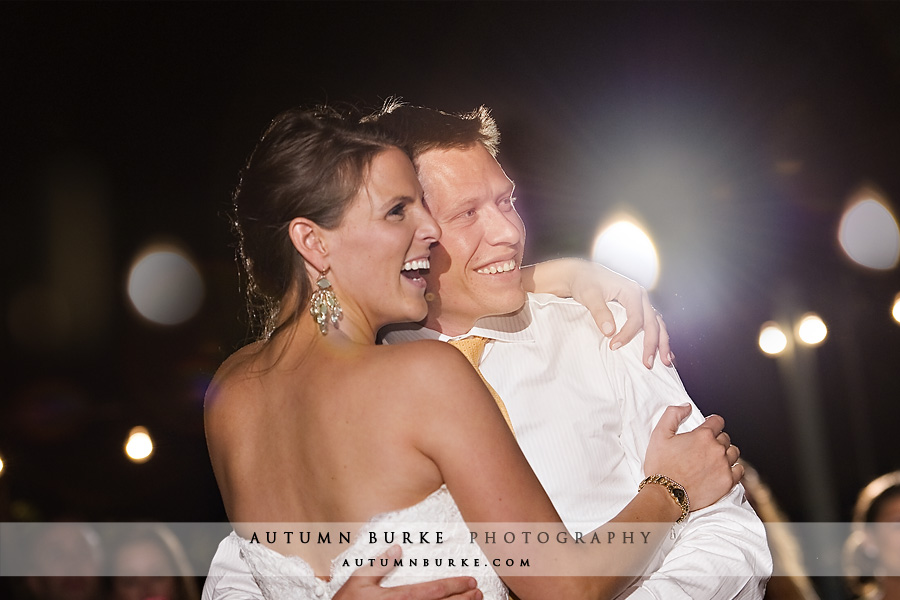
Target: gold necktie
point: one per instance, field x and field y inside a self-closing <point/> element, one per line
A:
<point x="472" y="347"/>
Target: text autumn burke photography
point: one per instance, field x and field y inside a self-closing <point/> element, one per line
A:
<point x="437" y="537"/>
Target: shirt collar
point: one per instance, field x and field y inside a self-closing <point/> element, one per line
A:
<point x="512" y="327"/>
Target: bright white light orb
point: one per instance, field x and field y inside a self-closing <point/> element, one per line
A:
<point x="895" y="311"/>
<point x="626" y="248"/>
<point x="1" y="466"/>
<point x="165" y="287"/>
<point x="869" y="235"/>
<point x="139" y="446"/>
<point x="812" y="330"/>
<point x="772" y="340"/>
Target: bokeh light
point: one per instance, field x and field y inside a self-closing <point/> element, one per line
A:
<point x="625" y="247"/>
<point x="895" y="310"/>
<point x="772" y="340"/>
<point x="139" y="446"/>
<point x="1" y="466"/>
<point x="868" y="232"/>
<point x="812" y="330"/>
<point x="164" y="286"/>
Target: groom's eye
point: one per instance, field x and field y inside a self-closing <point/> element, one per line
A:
<point x="507" y="202"/>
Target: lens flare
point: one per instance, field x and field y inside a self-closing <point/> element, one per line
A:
<point x="772" y="340"/>
<point x="165" y="286"/>
<point x="895" y="310"/>
<point x="626" y="248"/>
<point x="812" y="330"/>
<point x="868" y="232"/>
<point x="139" y="446"/>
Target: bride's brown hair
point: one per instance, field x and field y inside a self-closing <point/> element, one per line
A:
<point x="309" y="163"/>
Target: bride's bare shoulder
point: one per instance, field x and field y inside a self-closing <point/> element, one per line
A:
<point x="426" y="365"/>
<point x="237" y="376"/>
<point x="428" y="356"/>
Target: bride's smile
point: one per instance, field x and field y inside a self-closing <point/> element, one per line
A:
<point x="377" y="254"/>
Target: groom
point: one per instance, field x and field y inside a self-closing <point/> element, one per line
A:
<point x="582" y="413"/>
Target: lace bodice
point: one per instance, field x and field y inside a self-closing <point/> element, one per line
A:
<point x="281" y="577"/>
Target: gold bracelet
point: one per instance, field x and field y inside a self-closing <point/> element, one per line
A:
<point x="675" y="489"/>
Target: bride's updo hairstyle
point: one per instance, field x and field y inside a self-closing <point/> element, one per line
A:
<point x="308" y="163"/>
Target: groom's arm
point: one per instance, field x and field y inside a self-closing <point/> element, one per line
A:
<point x="719" y="552"/>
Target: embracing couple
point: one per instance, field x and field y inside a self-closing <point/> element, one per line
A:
<point x="349" y="226"/>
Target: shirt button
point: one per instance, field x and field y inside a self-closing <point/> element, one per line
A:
<point x="320" y="590"/>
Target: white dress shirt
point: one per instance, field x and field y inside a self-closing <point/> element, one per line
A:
<point x="583" y="416"/>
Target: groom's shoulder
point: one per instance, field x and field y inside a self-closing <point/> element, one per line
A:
<point x="547" y="307"/>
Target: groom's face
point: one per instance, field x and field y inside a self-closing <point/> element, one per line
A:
<point x="475" y="267"/>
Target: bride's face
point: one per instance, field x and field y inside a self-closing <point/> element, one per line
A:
<point x="384" y="239"/>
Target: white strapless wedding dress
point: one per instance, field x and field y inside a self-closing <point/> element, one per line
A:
<point x="282" y="577"/>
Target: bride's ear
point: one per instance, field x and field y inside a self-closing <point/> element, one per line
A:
<point x="308" y="240"/>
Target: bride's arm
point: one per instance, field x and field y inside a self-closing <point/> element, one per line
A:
<point x="593" y="285"/>
<point x="460" y="429"/>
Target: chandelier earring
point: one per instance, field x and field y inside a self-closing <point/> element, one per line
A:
<point x="324" y="305"/>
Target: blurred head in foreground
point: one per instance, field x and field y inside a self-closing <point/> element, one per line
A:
<point x="64" y="563"/>
<point x="872" y="552"/>
<point x="149" y="562"/>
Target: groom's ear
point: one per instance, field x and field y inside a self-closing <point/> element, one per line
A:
<point x="308" y="240"/>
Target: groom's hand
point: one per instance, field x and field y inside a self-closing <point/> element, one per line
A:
<point x="364" y="585"/>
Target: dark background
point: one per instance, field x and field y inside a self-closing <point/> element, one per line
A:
<point x="735" y="131"/>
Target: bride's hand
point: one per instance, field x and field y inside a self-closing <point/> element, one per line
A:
<point x="702" y="460"/>
<point x="593" y="285"/>
<point x="364" y="585"/>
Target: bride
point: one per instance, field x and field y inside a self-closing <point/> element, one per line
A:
<point x="315" y="423"/>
